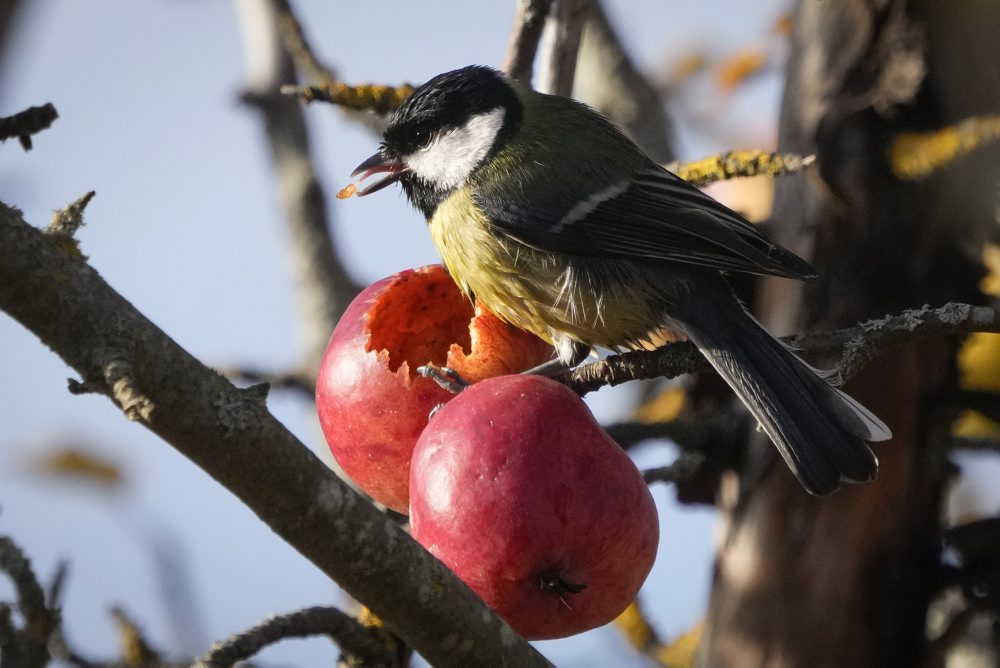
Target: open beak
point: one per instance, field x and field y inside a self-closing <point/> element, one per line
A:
<point x="379" y="164"/>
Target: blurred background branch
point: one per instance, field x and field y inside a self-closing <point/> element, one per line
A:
<point x="324" y="286"/>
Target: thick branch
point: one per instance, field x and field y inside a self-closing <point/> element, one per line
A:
<point x="230" y="434"/>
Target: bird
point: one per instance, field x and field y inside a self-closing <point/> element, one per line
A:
<point x="560" y="225"/>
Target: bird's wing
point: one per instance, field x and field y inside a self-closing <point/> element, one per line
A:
<point x="651" y="215"/>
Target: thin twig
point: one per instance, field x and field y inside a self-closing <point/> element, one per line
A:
<point x="323" y="286"/>
<point x="58" y="646"/>
<point x="135" y="649"/>
<point x="529" y="20"/>
<point x="355" y="640"/>
<point x="29" y="643"/>
<point x="976" y="444"/>
<point x="569" y="17"/>
<point x="53" y="596"/>
<point x="855" y="346"/>
<point x="377" y="98"/>
<point x="735" y="164"/>
<point x="26" y="123"/>
<point x="293" y="35"/>
<point x="297" y="380"/>
<point x="683" y="468"/>
<point x="67" y="220"/>
<point x="986" y="402"/>
<point x="685" y="433"/>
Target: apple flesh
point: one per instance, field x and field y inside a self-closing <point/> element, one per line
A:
<point x="372" y="405"/>
<point x="517" y="489"/>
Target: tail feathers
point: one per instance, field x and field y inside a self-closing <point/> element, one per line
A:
<point x="819" y="430"/>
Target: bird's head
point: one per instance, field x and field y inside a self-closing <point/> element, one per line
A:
<point x="448" y="127"/>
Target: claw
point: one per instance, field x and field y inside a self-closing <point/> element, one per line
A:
<point x="447" y="378"/>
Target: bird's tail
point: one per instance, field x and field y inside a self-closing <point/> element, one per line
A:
<point x="819" y="430"/>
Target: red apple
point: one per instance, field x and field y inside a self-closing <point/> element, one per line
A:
<point x="372" y="405"/>
<point x="516" y="488"/>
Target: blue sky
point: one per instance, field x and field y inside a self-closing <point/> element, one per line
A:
<point x="187" y="226"/>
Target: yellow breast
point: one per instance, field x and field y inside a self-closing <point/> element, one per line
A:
<point x="592" y="301"/>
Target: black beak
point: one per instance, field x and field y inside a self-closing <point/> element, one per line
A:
<point x="377" y="164"/>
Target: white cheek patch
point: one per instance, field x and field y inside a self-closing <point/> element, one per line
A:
<point x="449" y="159"/>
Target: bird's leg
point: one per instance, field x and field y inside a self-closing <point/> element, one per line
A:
<point x="569" y="354"/>
<point x="447" y="378"/>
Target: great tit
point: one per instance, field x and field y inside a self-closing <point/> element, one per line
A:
<point x="562" y="226"/>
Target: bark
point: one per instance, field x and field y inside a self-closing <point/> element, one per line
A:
<point x="48" y="287"/>
<point x="847" y="580"/>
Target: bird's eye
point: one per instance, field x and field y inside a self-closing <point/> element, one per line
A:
<point x="421" y="137"/>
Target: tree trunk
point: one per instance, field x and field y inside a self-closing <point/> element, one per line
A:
<point x="846" y="580"/>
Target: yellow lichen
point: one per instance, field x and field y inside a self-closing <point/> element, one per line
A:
<point x="737" y="69"/>
<point x="74" y="462"/>
<point x="979" y="360"/>
<point x="916" y="155"/>
<point x="680" y="653"/>
<point x="366" y="97"/>
<point x="733" y="164"/>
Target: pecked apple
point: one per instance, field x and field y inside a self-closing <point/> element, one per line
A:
<point x="515" y="486"/>
<point x="372" y="404"/>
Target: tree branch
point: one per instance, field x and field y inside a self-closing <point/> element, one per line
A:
<point x="26" y="123"/>
<point x="683" y="468"/>
<point x="529" y="20"/>
<point x="855" y="346"/>
<point x="608" y="80"/>
<point x="231" y="436"/>
<point x="30" y="595"/>
<point x="355" y="640"/>
<point x="324" y="287"/>
<point x="569" y="17"/>
<point x="687" y="434"/>
<point x="135" y="649"/>
<point x="376" y="98"/>
<point x="30" y="643"/>
<point x="293" y="36"/>
<point x="976" y="444"/>
<point x="300" y="381"/>
<point x="59" y="648"/>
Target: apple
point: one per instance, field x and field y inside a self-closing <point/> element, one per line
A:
<point x="517" y="489"/>
<point x="372" y="404"/>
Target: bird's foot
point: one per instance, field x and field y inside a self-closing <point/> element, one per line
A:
<point x="445" y="377"/>
<point x="569" y="355"/>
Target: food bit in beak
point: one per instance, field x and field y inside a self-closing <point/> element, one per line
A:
<point x="377" y="164"/>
